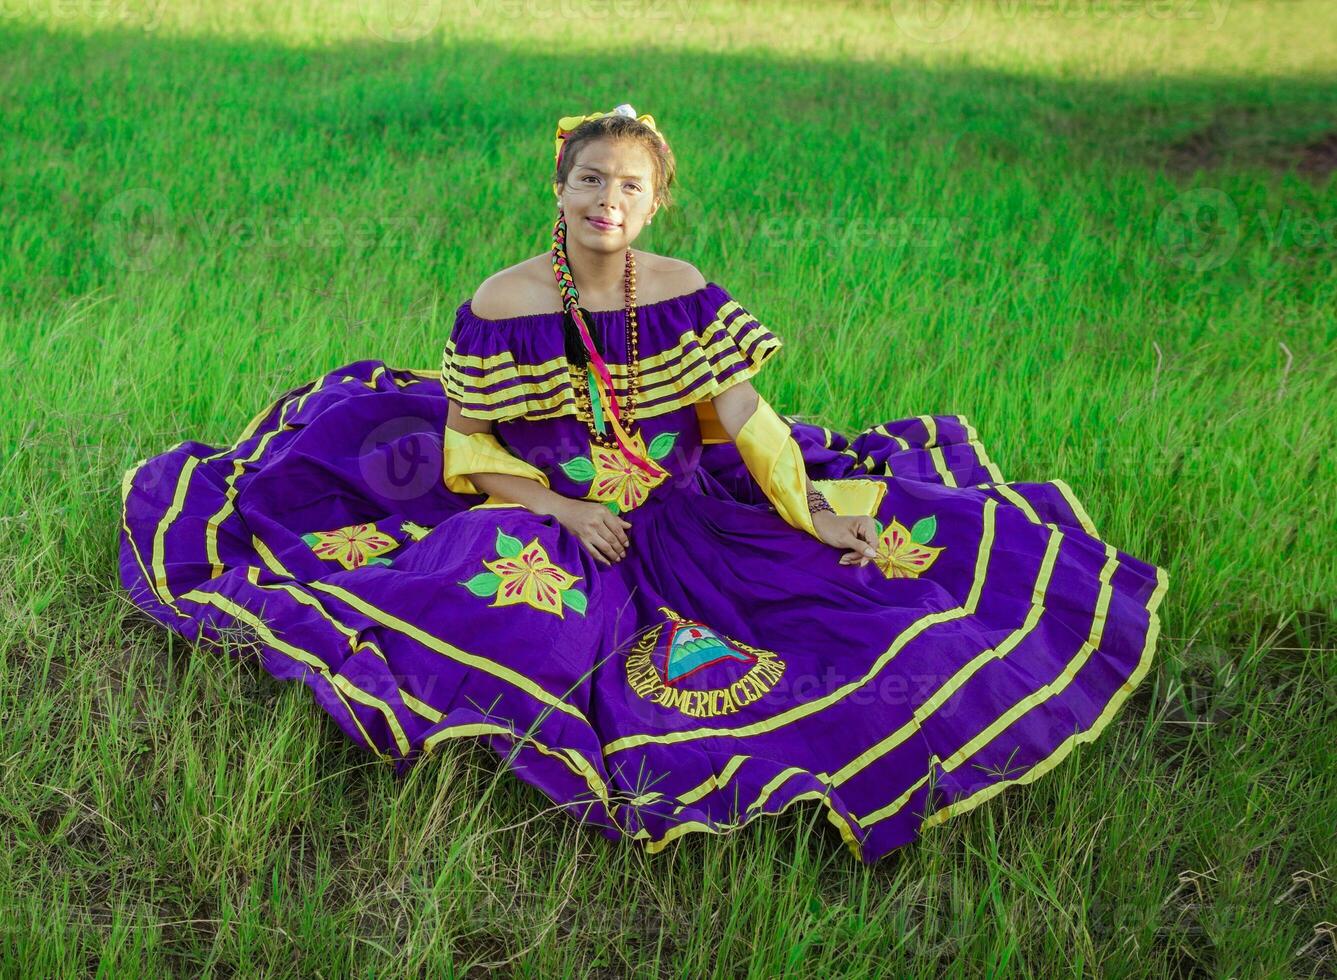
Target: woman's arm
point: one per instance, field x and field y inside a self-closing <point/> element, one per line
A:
<point x="735" y="407"/>
<point x="504" y="486"/>
<point x="603" y="533"/>
<point x="518" y="489"/>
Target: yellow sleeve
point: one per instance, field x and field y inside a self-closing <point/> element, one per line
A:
<point x="481" y="452"/>
<point x="775" y="461"/>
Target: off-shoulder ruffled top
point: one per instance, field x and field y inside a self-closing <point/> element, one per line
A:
<point x="690" y="348"/>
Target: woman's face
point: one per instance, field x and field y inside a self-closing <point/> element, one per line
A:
<point x="613" y="181"/>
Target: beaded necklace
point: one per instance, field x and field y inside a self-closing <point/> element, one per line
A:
<point x="587" y="393"/>
<point x="590" y="375"/>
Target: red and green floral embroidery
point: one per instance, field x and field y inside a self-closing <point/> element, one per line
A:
<point x="614" y="480"/>
<point x="525" y="574"/>
<point x="906" y="554"/>
<point x="352" y="546"/>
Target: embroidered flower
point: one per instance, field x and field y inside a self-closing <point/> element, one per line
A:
<point x="906" y="554"/>
<point x="617" y="481"/>
<point x="352" y="546"/>
<point x="414" y="530"/>
<point x="525" y="574"/>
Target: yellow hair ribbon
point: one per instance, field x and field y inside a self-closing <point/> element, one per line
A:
<point x="567" y="124"/>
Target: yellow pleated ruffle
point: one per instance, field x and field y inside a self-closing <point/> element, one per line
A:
<point x="698" y="362"/>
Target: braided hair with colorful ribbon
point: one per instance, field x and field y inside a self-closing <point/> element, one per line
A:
<point x="585" y="353"/>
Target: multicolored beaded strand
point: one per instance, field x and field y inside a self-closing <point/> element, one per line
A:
<point x="581" y="378"/>
<point x="598" y="371"/>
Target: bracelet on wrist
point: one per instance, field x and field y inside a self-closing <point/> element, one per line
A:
<point x="816" y="502"/>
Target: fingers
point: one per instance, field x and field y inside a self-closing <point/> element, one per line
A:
<point x="612" y="533"/>
<point x="862" y="542"/>
<point x="594" y="552"/>
<point x="603" y="542"/>
<point x="865" y="537"/>
<point x="600" y="545"/>
<point x="614" y="548"/>
<point x="852" y="541"/>
<point x="602" y="533"/>
<point x="618" y="533"/>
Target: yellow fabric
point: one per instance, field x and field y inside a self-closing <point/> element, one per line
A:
<point x="852" y="496"/>
<point x="495" y="501"/>
<point x="712" y="429"/>
<point x="776" y="463"/>
<point x="481" y="452"/>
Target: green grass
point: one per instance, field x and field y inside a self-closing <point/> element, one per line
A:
<point x="1107" y="240"/>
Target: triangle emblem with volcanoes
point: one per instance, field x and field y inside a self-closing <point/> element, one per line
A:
<point x="694" y="646"/>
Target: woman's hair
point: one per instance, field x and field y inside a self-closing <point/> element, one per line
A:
<point x="625" y="129"/>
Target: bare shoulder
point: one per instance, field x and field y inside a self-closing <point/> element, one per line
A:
<point x="515" y="291"/>
<point x="669" y="277"/>
<point x="527" y="287"/>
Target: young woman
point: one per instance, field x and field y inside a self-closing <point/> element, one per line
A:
<point x="596" y="546"/>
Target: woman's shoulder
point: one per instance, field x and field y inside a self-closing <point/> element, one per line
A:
<point x="673" y="278"/>
<point x="514" y="291"/>
<point x="526" y="289"/>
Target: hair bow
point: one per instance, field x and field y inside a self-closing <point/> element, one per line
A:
<point x="567" y="124"/>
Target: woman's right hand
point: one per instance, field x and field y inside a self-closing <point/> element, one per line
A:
<point x="601" y="531"/>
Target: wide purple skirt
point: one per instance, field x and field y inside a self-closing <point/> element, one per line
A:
<point x="728" y="667"/>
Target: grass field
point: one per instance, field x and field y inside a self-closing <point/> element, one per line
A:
<point x="1105" y="233"/>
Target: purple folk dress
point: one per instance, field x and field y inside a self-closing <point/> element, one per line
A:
<point x="728" y="666"/>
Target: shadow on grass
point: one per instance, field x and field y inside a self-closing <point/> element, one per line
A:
<point x="125" y="125"/>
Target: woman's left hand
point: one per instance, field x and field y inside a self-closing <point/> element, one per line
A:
<point x="856" y="532"/>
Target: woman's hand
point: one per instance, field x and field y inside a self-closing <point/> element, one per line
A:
<point x="856" y="532"/>
<point x="601" y="531"/>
